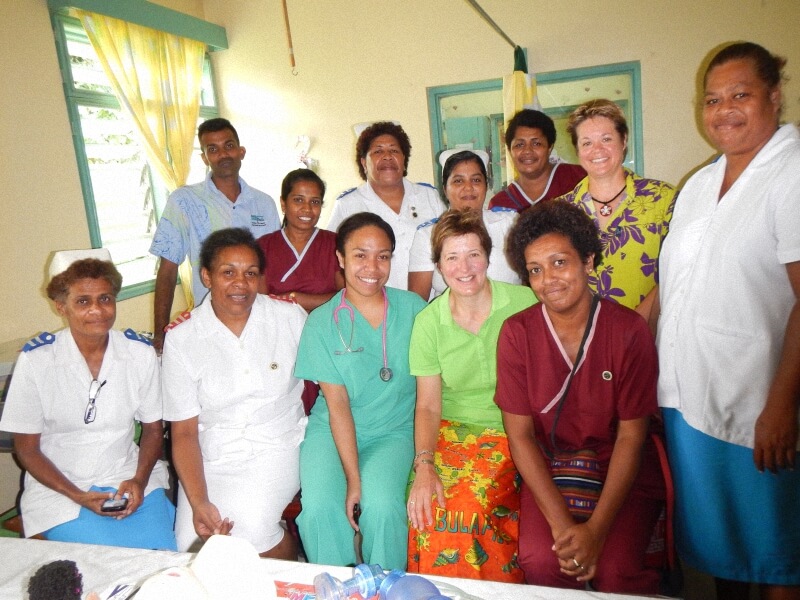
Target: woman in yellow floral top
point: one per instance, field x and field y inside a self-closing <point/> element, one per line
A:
<point x="632" y="213"/>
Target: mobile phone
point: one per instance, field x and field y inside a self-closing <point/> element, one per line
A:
<point x="114" y="505"/>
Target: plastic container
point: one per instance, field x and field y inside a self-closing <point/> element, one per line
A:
<point x="399" y="586"/>
<point x="365" y="581"/>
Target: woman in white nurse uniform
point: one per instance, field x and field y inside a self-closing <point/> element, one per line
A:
<point x="729" y="337"/>
<point x="72" y="405"/>
<point x="237" y="418"/>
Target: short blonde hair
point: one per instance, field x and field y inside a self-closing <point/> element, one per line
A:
<point x="597" y="108"/>
<point x="455" y="223"/>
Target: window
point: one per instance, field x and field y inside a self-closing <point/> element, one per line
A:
<point x="470" y="115"/>
<point x="123" y="196"/>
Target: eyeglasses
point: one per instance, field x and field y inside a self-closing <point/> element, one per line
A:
<point x="91" y="409"/>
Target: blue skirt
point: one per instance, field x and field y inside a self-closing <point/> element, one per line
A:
<point x="150" y="527"/>
<point x="731" y="520"/>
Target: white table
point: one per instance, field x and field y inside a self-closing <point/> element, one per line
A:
<point x="103" y="566"/>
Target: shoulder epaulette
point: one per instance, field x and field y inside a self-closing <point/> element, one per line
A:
<point x="502" y="209"/>
<point x="427" y="185"/>
<point x="184" y="316"/>
<point x="44" y="339"/>
<point x="433" y="221"/>
<point x="137" y="337"/>
<point x="344" y="193"/>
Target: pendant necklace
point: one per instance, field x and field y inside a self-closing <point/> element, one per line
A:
<point x="605" y="209"/>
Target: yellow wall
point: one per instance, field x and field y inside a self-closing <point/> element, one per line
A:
<point x="41" y="195"/>
<point x="356" y="61"/>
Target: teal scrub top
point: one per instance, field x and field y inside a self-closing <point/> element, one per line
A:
<point x="378" y="406"/>
<point x="466" y="362"/>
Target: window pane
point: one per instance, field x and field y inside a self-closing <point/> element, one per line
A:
<point x="207" y="96"/>
<point x="87" y="72"/>
<point x="122" y="186"/>
<point x="121" y="189"/>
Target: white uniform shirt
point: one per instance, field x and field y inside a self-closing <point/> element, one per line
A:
<point x="421" y="203"/>
<point x="725" y="293"/>
<point x="498" y="222"/>
<point x="48" y="395"/>
<point x="242" y="389"/>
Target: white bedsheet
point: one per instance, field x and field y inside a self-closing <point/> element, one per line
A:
<point x="104" y="566"/>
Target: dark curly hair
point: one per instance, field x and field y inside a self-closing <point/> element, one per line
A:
<point x="229" y="238"/>
<point x="58" y="580"/>
<point x="87" y="268"/>
<point x="769" y="67"/>
<point x="552" y="216"/>
<point x="357" y="221"/>
<point x="375" y="130"/>
<point x="534" y="119"/>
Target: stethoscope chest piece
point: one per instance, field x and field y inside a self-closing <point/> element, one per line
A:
<point x="386" y="374"/>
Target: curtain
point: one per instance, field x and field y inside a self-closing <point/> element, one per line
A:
<point x="156" y="77"/>
<point x="519" y="91"/>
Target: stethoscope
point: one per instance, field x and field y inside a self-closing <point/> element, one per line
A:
<point x="385" y="373"/>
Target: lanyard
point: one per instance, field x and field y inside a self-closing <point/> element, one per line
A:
<point x="578" y="357"/>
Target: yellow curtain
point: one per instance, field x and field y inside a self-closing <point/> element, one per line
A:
<point x="156" y="77"/>
<point x="519" y="91"/>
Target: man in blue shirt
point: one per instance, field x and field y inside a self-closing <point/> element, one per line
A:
<point x="192" y="212"/>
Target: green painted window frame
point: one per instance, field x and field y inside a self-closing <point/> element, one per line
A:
<point x="632" y="69"/>
<point x="154" y="16"/>
<point x="65" y="26"/>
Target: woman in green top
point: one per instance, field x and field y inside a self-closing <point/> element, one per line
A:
<point x="358" y="446"/>
<point x="463" y="503"/>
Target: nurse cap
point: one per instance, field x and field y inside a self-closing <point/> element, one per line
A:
<point x="479" y="153"/>
<point x="64" y="258"/>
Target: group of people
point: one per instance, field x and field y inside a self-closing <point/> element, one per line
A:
<point x="470" y="391"/>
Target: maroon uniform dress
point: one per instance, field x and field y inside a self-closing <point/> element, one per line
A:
<point x="563" y="179"/>
<point x="615" y="381"/>
<point x="311" y="272"/>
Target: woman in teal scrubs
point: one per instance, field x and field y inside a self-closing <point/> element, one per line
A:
<point x="359" y="441"/>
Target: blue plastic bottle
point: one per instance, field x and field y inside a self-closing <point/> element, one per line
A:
<point x="365" y="581"/>
<point x="399" y="586"/>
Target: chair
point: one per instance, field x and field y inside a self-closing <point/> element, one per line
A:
<point x="11" y="525"/>
<point x="661" y="553"/>
<point x="290" y="515"/>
